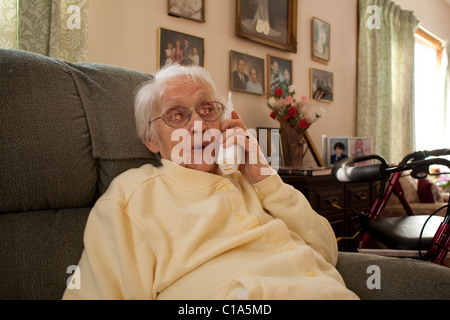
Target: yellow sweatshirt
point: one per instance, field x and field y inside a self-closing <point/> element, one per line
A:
<point x="176" y="233"/>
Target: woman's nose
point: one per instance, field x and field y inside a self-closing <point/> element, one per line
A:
<point x="196" y="124"/>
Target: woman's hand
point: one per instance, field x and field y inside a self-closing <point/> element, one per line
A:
<point x="255" y="167"/>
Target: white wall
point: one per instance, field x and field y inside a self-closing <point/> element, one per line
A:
<point x="125" y="33"/>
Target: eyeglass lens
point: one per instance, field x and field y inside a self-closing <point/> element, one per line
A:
<point x="179" y="116"/>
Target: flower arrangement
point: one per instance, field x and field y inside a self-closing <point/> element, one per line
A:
<point x="299" y="115"/>
<point x="443" y="182"/>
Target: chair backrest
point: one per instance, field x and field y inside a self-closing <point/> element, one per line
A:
<point x="66" y="130"/>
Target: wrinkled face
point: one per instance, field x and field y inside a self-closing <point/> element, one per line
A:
<point x="192" y="142"/>
<point x="253" y="75"/>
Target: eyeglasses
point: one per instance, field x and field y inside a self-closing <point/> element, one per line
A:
<point x="178" y="116"/>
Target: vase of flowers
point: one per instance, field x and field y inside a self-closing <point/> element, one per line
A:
<point x="295" y="118"/>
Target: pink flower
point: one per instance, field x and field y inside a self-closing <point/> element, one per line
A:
<point x="304" y="100"/>
<point x="289" y="100"/>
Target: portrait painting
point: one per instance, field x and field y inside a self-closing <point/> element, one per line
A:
<point x="321" y="33"/>
<point x="321" y="85"/>
<point x="177" y="47"/>
<point x="273" y="23"/>
<point x="247" y="73"/>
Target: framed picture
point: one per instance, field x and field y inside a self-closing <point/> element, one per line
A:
<point x="176" y="47"/>
<point x="269" y="140"/>
<point x="247" y="73"/>
<point x="337" y="149"/>
<point x="279" y="74"/>
<point x="273" y="23"/>
<point x="188" y="9"/>
<point x="359" y="147"/>
<point x="321" y="36"/>
<point x="321" y="85"/>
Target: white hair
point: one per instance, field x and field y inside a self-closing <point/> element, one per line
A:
<point x="148" y="98"/>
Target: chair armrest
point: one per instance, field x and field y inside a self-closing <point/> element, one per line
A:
<point x="400" y="278"/>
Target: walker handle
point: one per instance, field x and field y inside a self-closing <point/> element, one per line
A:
<point x="345" y="171"/>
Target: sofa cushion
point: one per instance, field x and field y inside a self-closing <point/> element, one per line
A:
<point x="45" y="145"/>
<point x="37" y="247"/>
<point x="428" y="191"/>
<point x="400" y="279"/>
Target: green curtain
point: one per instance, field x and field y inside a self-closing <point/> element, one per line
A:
<point x="385" y="77"/>
<point x="55" y="28"/>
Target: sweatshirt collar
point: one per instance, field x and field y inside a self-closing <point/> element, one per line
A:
<point x="190" y="178"/>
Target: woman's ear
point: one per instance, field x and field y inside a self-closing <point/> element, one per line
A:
<point x="152" y="144"/>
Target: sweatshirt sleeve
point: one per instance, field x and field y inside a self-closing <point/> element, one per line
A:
<point x="108" y="268"/>
<point x="286" y="203"/>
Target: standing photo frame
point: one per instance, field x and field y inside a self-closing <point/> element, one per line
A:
<point x="272" y="23"/>
<point x="320" y="40"/>
<point x="247" y="73"/>
<point x="321" y="85"/>
<point x="187" y="9"/>
<point x="359" y="147"/>
<point x="337" y="148"/>
<point x="177" y="47"/>
<point x="279" y="74"/>
<point x="269" y="140"/>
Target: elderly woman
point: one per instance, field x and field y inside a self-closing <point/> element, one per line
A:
<point x="185" y="231"/>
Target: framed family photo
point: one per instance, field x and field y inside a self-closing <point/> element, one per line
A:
<point x="181" y="48"/>
<point x="247" y="73"/>
<point x="321" y="39"/>
<point x="279" y="74"/>
<point x="273" y="23"/>
<point x="269" y="140"/>
<point x="337" y="148"/>
<point x="321" y="85"/>
<point x="188" y="9"/>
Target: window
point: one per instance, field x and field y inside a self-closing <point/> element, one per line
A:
<point x="430" y="64"/>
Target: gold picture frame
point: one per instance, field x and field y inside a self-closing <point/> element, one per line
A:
<point x="279" y="79"/>
<point x="320" y="40"/>
<point x="272" y="23"/>
<point x="321" y="85"/>
<point x="251" y="78"/>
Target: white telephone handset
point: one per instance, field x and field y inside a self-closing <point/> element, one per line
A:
<point x="228" y="158"/>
